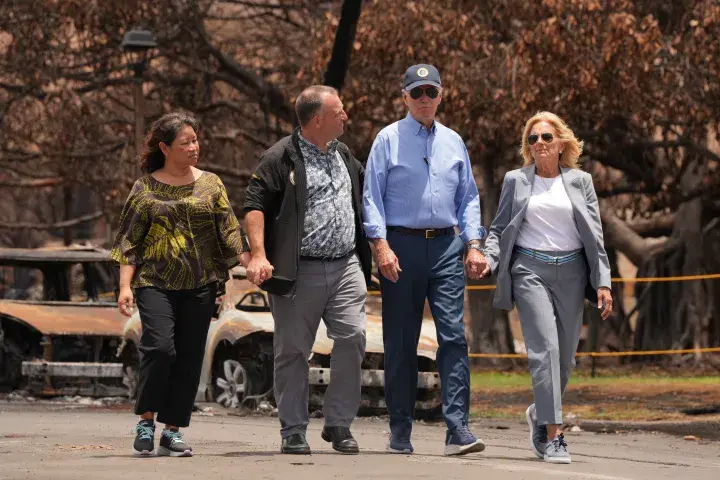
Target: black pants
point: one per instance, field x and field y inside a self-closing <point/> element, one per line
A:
<point x="174" y="330"/>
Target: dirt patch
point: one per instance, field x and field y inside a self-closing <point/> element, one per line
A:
<point x="663" y="401"/>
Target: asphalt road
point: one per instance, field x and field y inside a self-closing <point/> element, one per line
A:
<point x="41" y="441"/>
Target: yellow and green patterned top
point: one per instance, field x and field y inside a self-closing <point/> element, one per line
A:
<point x="179" y="237"/>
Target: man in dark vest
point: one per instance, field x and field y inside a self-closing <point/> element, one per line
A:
<point x="303" y="219"/>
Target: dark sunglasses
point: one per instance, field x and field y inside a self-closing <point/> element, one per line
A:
<point x="546" y="138"/>
<point x="431" y="92"/>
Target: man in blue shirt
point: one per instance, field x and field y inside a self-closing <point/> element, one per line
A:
<point x="419" y="187"/>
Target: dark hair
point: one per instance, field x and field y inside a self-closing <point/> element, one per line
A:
<point x="309" y="102"/>
<point x="164" y="129"/>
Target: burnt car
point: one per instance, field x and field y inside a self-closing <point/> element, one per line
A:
<point x="59" y="325"/>
<point x="238" y="364"/>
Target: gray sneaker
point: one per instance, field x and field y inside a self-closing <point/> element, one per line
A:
<point x="556" y="451"/>
<point x="173" y="445"/>
<point x="538" y="433"/>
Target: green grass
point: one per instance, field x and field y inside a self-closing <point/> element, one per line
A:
<point x="499" y="380"/>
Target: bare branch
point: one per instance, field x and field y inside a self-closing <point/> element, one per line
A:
<point x="627" y="190"/>
<point x="23" y="156"/>
<point x="653" y="226"/>
<point x="51" y="226"/>
<point x="33" y="183"/>
<point x="265" y="92"/>
<point x="265" y="5"/>
<point x="621" y="236"/>
<point x="232" y="136"/>
<point x="226" y="171"/>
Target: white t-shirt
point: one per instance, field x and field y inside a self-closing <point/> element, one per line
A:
<point x="549" y="222"/>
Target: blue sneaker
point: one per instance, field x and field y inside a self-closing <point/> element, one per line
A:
<point x="538" y="433"/>
<point x="144" y="444"/>
<point x="460" y="441"/>
<point x="399" y="442"/>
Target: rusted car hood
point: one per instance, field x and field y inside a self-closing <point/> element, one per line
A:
<point x="63" y="318"/>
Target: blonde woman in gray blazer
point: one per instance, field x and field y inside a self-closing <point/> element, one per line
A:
<point x="546" y="245"/>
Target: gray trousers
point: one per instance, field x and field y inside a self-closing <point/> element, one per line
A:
<point x="335" y="291"/>
<point x="550" y="300"/>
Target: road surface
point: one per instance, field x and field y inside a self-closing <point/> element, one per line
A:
<point x="56" y="442"/>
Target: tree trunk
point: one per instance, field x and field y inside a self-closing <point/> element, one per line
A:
<point x="67" y="214"/>
<point x="342" y="48"/>
<point x="682" y="314"/>
<point x="615" y="334"/>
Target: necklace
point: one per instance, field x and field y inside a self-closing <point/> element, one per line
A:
<point x="545" y="184"/>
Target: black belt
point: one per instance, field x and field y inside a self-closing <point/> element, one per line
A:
<point x="328" y="259"/>
<point x="424" y="232"/>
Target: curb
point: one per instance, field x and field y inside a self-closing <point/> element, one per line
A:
<point x="709" y="429"/>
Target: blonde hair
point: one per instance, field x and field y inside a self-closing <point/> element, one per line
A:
<point x="571" y="151"/>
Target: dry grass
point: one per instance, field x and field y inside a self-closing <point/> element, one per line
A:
<point x="626" y="397"/>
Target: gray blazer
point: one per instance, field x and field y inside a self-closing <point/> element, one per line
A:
<point x="516" y="190"/>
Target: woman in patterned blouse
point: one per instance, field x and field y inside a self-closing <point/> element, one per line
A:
<point x="178" y="238"/>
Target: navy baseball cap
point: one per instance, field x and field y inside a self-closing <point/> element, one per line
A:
<point x="422" y="74"/>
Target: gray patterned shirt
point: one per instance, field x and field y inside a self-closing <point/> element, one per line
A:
<point x="329" y="218"/>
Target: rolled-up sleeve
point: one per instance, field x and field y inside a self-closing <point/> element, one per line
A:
<point x="374" y="190"/>
<point x="467" y="202"/>
<point x="134" y="225"/>
<point x="230" y="237"/>
<point x="263" y="187"/>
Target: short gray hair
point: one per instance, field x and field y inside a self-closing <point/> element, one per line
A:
<point x="309" y="102"/>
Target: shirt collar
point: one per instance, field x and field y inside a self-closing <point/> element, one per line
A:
<point x="418" y="127"/>
<point x="314" y="150"/>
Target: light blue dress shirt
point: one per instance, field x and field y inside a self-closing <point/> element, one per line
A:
<point x="420" y="179"/>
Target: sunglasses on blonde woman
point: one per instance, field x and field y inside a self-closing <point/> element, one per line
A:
<point x="546" y="138"/>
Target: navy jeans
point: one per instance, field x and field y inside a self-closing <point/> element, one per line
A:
<point x="433" y="269"/>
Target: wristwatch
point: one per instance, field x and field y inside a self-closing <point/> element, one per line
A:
<point x="474" y="244"/>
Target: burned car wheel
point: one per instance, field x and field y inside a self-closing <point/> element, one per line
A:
<point x="10" y="364"/>
<point x="232" y="385"/>
<point x="17" y="343"/>
<point x="242" y="373"/>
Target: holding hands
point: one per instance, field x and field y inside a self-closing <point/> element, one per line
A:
<point x="259" y="269"/>
<point x="476" y="265"/>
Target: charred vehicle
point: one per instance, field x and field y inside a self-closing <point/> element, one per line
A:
<point x="238" y="364"/>
<point x="59" y="332"/>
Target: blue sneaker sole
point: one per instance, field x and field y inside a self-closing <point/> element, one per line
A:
<point x="405" y="451"/>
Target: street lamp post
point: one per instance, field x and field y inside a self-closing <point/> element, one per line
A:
<point x="137" y="44"/>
